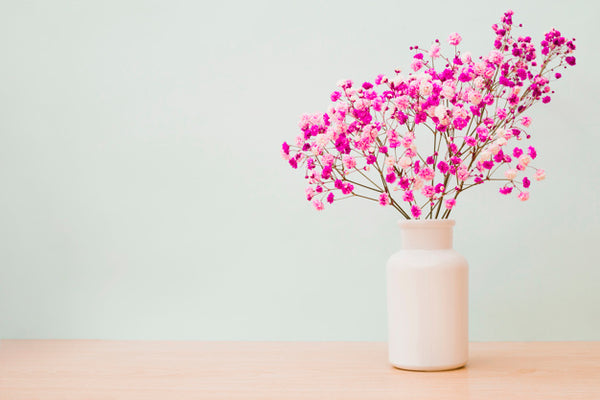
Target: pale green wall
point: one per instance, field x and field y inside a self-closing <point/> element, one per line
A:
<point x="143" y="195"/>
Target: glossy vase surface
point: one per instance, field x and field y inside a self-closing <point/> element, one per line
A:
<point x="427" y="296"/>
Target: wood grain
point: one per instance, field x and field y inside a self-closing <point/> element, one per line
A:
<point x="94" y="369"/>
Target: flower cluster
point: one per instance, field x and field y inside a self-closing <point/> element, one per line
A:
<point x="471" y="109"/>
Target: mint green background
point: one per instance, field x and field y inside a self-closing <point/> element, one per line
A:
<point x="143" y="195"/>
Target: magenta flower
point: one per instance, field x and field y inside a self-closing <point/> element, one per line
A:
<point x="384" y="199"/>
<point x="330" y="197"/>
<point x="443" y="167"/>
<point x="391" y="177"/>
<point x="416" y="211"/>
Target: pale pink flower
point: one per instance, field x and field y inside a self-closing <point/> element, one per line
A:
<point x="425" y="88"/>
<point x="327" y="159"/>
<point x="524" y="159"/>
<point x="501" y="141"/>
<point x="485" y="155"/>
<point x="448" y="90"/>
<point x="524" y="196"/>
<point x="507" y="134"/>
<point x="494" y="148"/>
<point x="510" y="174"/>
<point x="450" y="203"/>
<point x="526" y="121"/>
<point x="434" y="51"/>
<point x="540" y="175"/>
<point x="418" y="183"/>
<point x="466" y="58"/>
<point x="403" y="102"/>
<point x="479" y="82"/>
<point x="440" y="112"/>
<point x="460" y="112"/>
<point x="454" y="39"/>
<point x="462" y="173"/>
<point x="349" y="161"/>
<point x="475" y="97"/>
<point x="480" y="68"/>
<point x="404" y="162"/>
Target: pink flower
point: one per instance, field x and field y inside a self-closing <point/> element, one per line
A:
<point x="470" y="141"/>
<point x="427" y="173"/>
<point x="454" y="39"/>
<point x="496" y="57"/>
<point x="408" y="196"/>
<point x="335" y="96"/>
<point x="384" y="199"/>
<point x="462" y="173"/>
<point x="318" y="204"/>
<point x="434" y="51"/>
<point x="524" y="196"/>
<point x="540" y="175"/>
<point x="450" y="203"/>
<point x="428" y="191"/>
<point x="526" y="121"/>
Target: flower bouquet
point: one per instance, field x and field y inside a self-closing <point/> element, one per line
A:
<point x="471" y="110"/>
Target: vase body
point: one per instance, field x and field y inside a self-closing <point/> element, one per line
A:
<point x="427" y="296"/>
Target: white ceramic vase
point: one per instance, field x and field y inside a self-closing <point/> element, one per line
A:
<point x="427" y="295"/>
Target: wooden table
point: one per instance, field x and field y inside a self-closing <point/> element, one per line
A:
<point x="95" y="369"/>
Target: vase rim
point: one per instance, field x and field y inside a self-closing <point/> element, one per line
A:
<point x="426" y="223"/>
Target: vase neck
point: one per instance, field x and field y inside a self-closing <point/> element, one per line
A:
<point x="432" y="234"/>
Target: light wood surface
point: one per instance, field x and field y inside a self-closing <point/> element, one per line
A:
<point x="95" y="369"/>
